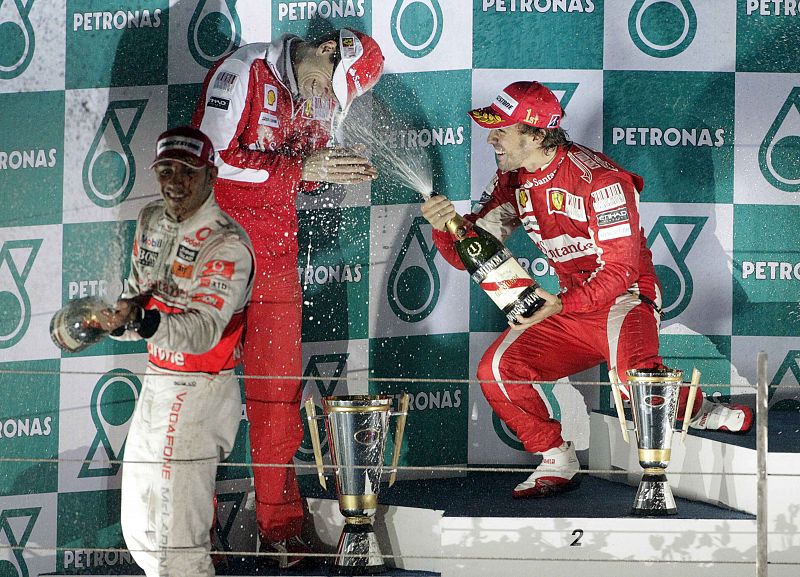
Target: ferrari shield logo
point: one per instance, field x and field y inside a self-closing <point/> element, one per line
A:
<point x="522" y="197"/>
<point x="557" y="199"/>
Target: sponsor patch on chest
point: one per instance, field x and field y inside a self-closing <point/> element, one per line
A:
<point x="612" y="217"/>
<point x="217" y="102"/>
<point x="559" y="201"/>
<point x="181" y="270"/>
<point x="608" y="197"/>
<point x="147" y="257"/>
<point x="267" y="119"/>
<point x="225" y="81"/>
<point x="186" y="254"/>
<point x="317" y="108"/>
<point x="271" y="97"/>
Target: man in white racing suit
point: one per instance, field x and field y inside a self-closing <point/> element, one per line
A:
<point x="190" y="280"/>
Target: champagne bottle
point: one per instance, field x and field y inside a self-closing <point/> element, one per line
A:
<point x="76" y="326"/>
<point x="495" y="269"/>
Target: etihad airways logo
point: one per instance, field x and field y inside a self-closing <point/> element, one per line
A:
<point x="662" y="28"/>
<point x="214" y="30"/>
<point x="17" y="41"/>
<point x="416" y="26"/>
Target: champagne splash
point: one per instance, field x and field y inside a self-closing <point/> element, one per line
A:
<point x="372" y="124"/>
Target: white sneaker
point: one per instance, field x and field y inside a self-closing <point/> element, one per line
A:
<point x="719" y="417"/>
<point x="557" y="473"/>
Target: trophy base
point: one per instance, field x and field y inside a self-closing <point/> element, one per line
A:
<point x="654" y="497"/>
<point x="358" y="552"/>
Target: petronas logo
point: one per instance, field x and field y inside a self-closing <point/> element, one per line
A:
<point x="662" y="28"/>
<point x="416" y="26"/>
<point x="109" y="171"/>
<point x="224" y="526"/>
<point x="113" y="401"/>
<point x="507" y="436"/>
<point x="16" y="526"/>
<point x="214" y="31"/>
<point x="780" y="148"/>
<point x="324" y="371"/>
<point x="790" y="364"/>
<point x="414" y="285"/>
<point x="678" y="235"/>
<point x="16" y="260"/>
<point x="16" y="37"/>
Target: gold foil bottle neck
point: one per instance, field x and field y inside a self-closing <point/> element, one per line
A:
<point x="457" y="226"/>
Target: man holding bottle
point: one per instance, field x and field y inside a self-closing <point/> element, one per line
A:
<point x="269" y="110"/>
<point x="581" y="211"/>
<point x="190" y="280"/>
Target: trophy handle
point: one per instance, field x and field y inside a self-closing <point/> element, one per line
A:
<point x="687" y="416"/>
<point x="614" y="378"/>
<point x="399" y="431"/>
<point x="311" y="415"/>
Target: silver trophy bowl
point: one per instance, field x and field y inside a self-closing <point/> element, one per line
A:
<point x="357" y="427"/>
<point x="654" y="397"/>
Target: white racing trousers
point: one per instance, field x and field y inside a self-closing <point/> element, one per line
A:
<point x="183" y="425"/>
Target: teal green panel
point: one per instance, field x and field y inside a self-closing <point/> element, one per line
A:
<point x="516" y="34"/>
<point x="29" y="427"/>
<point x="31" y="158"/>
<point x="675" y="129"/>
<point x="766" y="270"/>
<point x="111" y="44"/>
<point x="420" y="115"/>
<point x="334" y="273"/>
<point x="766" y="37"/>
<point x="436" y="431"/>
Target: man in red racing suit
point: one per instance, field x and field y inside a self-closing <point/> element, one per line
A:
<point x="269" y="109"/>
<point x="190" y="281"/>
<point x="581" y="211"/>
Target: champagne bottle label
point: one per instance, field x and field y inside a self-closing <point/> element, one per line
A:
<point x="491" y="265"/>
<point x="505" y="283"/>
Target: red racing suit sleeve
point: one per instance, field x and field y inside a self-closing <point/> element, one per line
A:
<point x="614" y="226"/>
<point x="223" y="112"/>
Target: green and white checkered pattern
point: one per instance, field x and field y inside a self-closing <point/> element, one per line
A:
<point x="701" y="98"/>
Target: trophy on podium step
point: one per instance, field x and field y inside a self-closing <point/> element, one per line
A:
<point x="654" y="396"/>
<point x="357" y="428"/>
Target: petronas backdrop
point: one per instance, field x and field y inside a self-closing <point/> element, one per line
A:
<point x="701" y="97"/>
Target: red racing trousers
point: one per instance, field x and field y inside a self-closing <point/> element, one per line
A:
<point x="625" y="335"/>
<point x="272" y="347"/>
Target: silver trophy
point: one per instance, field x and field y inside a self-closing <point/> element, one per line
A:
<point x="357" y="428"/>
<point x="654" y="395"/>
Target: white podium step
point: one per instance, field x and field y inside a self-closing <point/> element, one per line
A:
<point x="470" y="525"/>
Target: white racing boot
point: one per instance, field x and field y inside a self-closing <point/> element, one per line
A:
<point x="719" y="417"/>
<point x="557" y="473"/>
